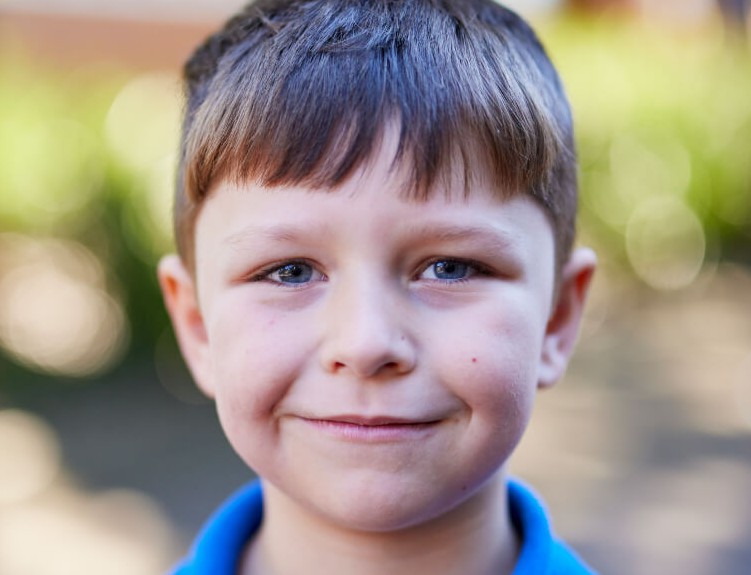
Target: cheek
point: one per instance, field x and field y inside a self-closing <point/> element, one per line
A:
<point x="257" y="354"/>
<point x="493" y="363"/>
<point x="500" y="392"/>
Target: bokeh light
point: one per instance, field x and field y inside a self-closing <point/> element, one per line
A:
<point x="142" y="124"/>
<point x="50" y="166"/>
<point x="29" y="456"/>
<point x="56" y="314"/>
<point x="665" y="243"/>
<point x="49" y="527"/>
<point x="147" y="216"/>
<point x="141" y="129"/>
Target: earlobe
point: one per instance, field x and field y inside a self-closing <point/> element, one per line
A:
<point x="180" y="298"/>
<point x="563" y="325"/>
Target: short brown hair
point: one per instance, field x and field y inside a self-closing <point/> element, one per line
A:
<point x="301" y="91"/>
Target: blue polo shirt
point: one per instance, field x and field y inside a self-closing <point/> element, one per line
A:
<point x="220" y="544"/>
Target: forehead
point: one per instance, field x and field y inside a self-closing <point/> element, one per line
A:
<point x="375" y="202"/>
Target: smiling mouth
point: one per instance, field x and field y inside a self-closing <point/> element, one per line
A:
<point x="377" y="421"/>
<point x="373" y="429"/>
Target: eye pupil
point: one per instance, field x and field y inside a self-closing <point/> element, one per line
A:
<point x="294" y="273"/>
<point x="445" y="268"/>
<point x="450" y="270"/>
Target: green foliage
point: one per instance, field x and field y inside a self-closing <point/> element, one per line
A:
<point x="63" y="178"/>
<point x="662" y="116"/>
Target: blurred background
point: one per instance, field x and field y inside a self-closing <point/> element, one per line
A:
<point x="110" y="459"/>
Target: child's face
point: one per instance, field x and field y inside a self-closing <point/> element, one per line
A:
<point x="374" y="359"/>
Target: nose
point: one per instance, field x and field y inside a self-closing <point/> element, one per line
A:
<point x="365" y="333"/>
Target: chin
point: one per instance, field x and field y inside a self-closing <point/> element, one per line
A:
<point x="372" y="517"/>
<point x="387" y="505"/>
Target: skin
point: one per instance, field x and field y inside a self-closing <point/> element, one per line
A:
<point x="375" y="360"/>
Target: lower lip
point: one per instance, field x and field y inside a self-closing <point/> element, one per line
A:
<point x="389" y="433"/>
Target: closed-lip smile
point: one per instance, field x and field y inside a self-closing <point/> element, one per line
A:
<point x="376" y="421"/>
<point x="378" y="429"/>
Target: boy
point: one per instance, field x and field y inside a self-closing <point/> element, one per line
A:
<point x="375" y="213"/>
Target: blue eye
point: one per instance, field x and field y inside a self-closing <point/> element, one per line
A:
<point x="293" y="273"/>
<point x="448" y="270"/>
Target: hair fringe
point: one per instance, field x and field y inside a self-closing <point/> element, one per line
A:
<point x="301" y="92"/>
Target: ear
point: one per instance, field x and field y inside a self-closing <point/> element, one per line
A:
<point x="563" y="325"/>
<point x="180" y="298"/>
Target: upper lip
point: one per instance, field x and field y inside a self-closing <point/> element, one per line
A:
<point x="376" y="420"/>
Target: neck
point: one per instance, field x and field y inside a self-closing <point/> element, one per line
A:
<point x="476" y="538"/>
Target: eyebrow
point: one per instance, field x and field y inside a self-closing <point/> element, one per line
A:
<point x="490" y="238"/>
<point x="487" y="238"/>
<point x="278" y="233"/>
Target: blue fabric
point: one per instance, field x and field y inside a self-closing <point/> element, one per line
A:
<point x="219" y="546"/>
<point x="541" y="553"/>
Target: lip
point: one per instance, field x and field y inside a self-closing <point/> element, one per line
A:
<point x="376" y="420"/>
<point x="376" y="429"/>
